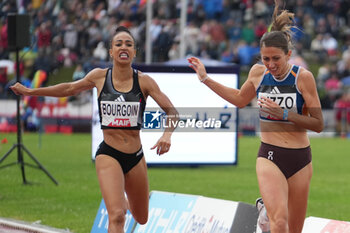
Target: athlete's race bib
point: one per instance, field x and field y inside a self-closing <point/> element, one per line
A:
<point x="284" y="100"/>
<point x="119" y="114"/>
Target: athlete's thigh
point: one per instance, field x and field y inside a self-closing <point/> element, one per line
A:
<point x="137" y="190"/>
<point x="273" y="188"/>
<point x="298" y="185"/>
<point x="111" y="179"/>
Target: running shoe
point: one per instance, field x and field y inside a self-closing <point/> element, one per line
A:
<point x="263" y="219"/>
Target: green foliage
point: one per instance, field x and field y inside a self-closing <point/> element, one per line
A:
<point x="74" y="202"/>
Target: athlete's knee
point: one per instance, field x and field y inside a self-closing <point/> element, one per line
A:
<point x="279" y="224"/>
<point x="117" y="216"/>
<point x="141" y="218"/>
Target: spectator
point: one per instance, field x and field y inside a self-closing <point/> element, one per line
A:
<point x="216" y="32"/>
<point x="95" y="20"/>
<point x="248" y="34"/>
<point x="44" y="38"/>
<point x="333" y="85"/>
<point x="100" y="52"/>
<point x="163" y="44"/>
<point x="70" y="38"/>
<point x="204" y="36"/>
<point x="323" y="74"/>
<point x="342" y="115"/>
<point x="261" y="9"/>
<point x="3" y="81"/>
<point x="113" y="6"/>
<point x="247" y="52"/>
<point x="260" y="28"/>
<point x="199" y="14"/>
<point x="344" y="64"/>
<point x="239" y="19"/>
<point x="43" y="62"/>
<point x="213" y="8"/>
<point x="330" y="44"/>
<point x="333" y="25"/>
<point x="321" y="26"/>
<point x="191" y="34"/>
<point x="233" y="31"/>
<point x="94" y="34"/>
<point x="174" y="52"/>
<point x="79" y="73"/>
<point x="155" y="29"/>
<point x="317" y="47"/>
<point x="3" y="41"/>
<point x="36" y="4"/>
<point x="309" y="25"/>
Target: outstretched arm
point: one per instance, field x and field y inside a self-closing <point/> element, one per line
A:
<point x="239" y="98"/>
<point x="62" y="89"/>
<point x="150" y="87"/>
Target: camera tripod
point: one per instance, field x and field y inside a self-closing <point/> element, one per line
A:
<point x="19" y="145"/>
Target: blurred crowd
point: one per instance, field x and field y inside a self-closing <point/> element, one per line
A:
<point x="77" y="33"/>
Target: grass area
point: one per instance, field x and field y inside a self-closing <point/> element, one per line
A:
<point x="64" y="74"/>
<point x="74" y="202"/>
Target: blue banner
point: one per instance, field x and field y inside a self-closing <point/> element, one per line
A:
<point x="168" y="212"/>
<point x="101" y="220"/>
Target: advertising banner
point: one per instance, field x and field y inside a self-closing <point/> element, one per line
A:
<point x="168" y="212"/>
<point x="175" y="213"/>
<point x="183" y="213"/>
<point x="101" y="220"/>
<point x="211" y="215"/>
<point x="205" y="120"/>
<point x="323" y="225"/>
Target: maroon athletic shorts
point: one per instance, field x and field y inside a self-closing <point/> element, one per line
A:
<point x="288" y="160"/>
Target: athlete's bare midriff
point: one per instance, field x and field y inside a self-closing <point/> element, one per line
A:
<point x="124" y="140"/>
<point x="284" y="135"/>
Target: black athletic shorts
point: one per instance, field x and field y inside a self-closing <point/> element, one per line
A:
<point x="126" y="161"/>
<point x="288" y="160"/>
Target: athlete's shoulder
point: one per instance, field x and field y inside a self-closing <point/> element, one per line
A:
<point x="255" y="74"/>
<point x="145" y="79"/>
<point x="97" y="73"/>
<point x="143" y="76"/>
<point x="147" y="84"/>
<point x="305" y="73"/>
<point x="97" y="77"/>
<point x="257" y="71"/>
<point x="305" y="76"/>
<point x="306" y="79"/>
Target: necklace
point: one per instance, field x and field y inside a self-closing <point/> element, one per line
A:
<point x="284" y="74"/>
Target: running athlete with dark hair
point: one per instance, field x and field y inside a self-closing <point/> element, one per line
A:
<point x="122" y="93"/>
<point x="289" y="106"/>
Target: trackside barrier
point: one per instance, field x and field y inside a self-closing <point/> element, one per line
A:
<point x="10" y="225"/>
<point x="182" y="213"/>
<point x="101" y="220"/>
<point x="246" y="219"/>
<point x="322" y="225"/>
